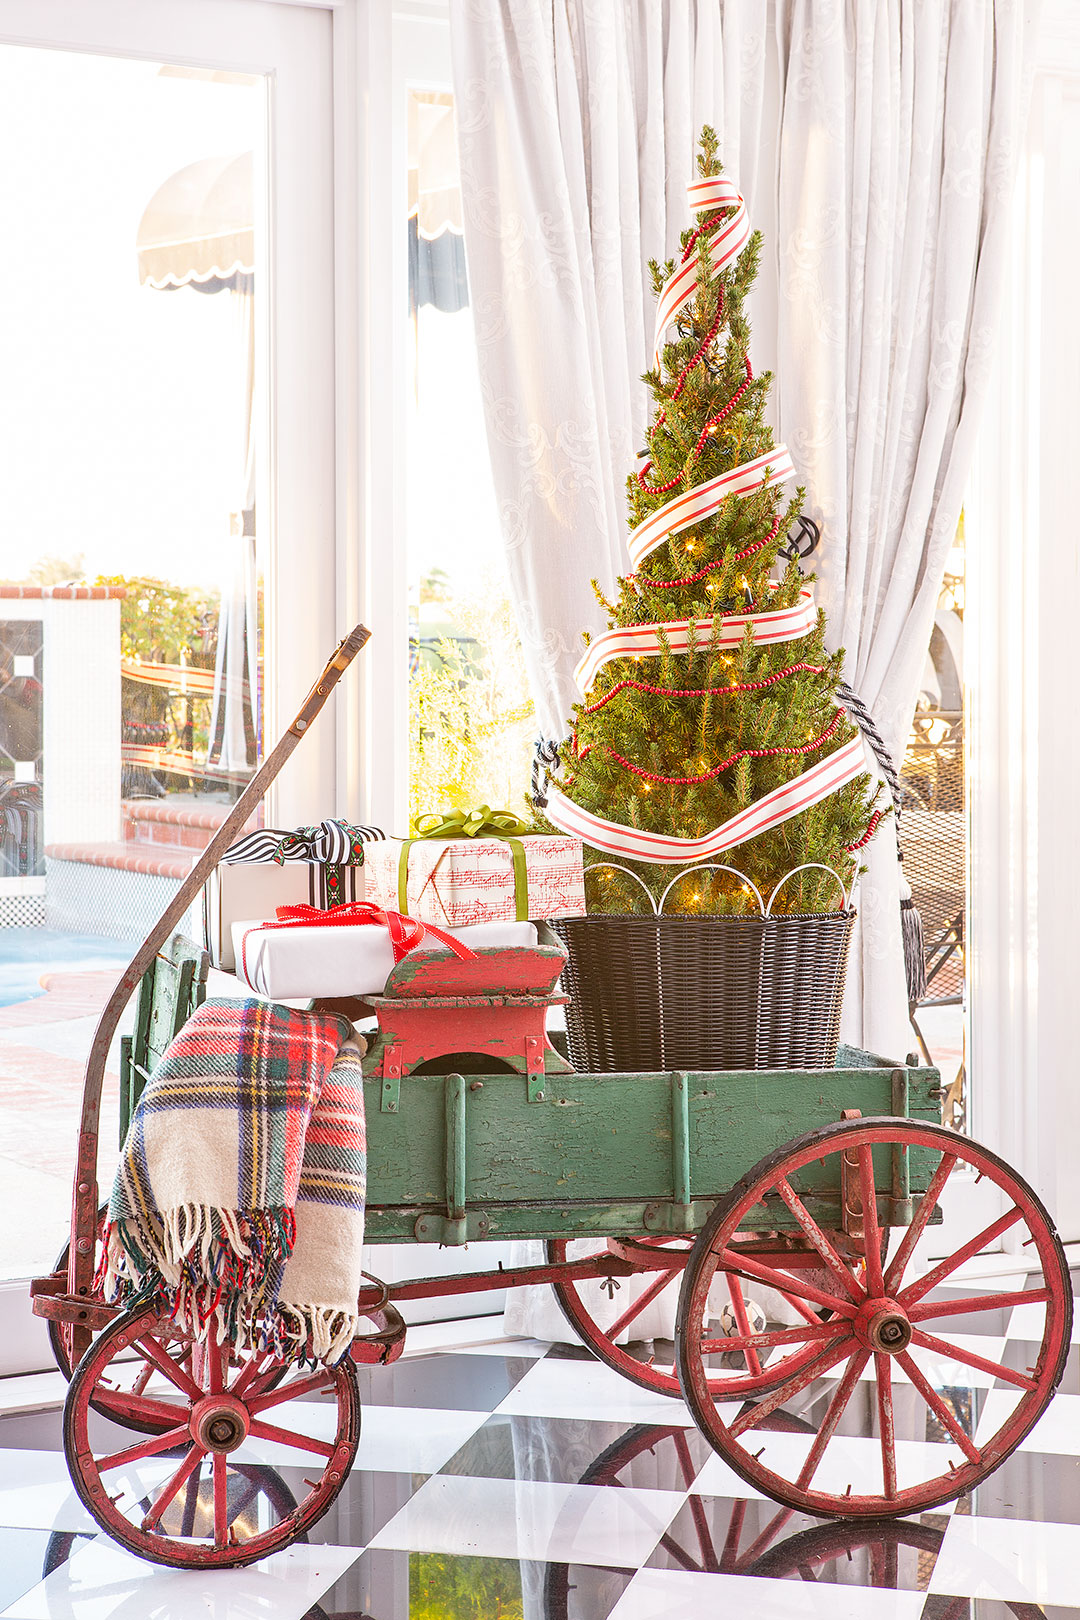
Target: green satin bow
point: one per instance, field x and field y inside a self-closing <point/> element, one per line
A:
<point x="483" y="822"/>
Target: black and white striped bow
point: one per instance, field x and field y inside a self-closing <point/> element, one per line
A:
<point x="336" y="843"/>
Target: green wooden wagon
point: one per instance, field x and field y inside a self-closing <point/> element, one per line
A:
<point x="794" y="1213"/>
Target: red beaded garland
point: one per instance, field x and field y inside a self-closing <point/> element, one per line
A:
<point x="709" y="568"/>
<point x="707" y="776"/>
<point x="662" y="489"/>
<point x="703" y="691"/>
<point x="714" y="421"/>
<point x="867" y="835"/>
<point x="706" y="225"/>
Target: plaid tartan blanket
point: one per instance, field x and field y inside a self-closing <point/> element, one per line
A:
<point x="240" y="1188"/>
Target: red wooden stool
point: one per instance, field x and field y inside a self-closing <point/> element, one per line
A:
<point x="440" y="1005"/>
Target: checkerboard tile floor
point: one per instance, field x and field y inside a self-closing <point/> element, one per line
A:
<point x="525" y="1481"/>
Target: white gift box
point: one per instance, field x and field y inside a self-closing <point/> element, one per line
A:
<point x="455" y="882"/>
<point x="343" y="960"/>
<point x="256" y="889"/>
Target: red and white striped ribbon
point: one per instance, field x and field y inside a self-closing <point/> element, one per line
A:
<point x="694" y="505"/>
<point x="661" y="850"/>
<point x="724" y="245"/>
<point x="643" y="640"/>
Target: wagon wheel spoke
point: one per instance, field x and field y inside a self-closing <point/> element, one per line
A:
<point x="836" y="1408"/>
<point x="221" y="1500"/>
<point x="145" y="1448"/>
<point x="953" y="1352"/>
<point x="150" y="1411"/>
<point x="143" y="1379"/>
<point x="887" y="1431"/>
<point x="165" y="1364"/>
<point x="187" y="1468"/>
<point x="750" y="1418"/>
<point x="775" y="1336"/>
<point x="800" y="1305"/>
<point x="922" y="1215"/>
<point x="945" y="1416"/>
<point x="646" y="1297"/>
<point x="743" y="1266"/>
<point x="290" y="1437"/>
<point x="967" y="1251"/>
<point x="290" y="1391"/>
<point x="738" y="1305"/>
<point x="871" y="1238"/>
<point x="821" y="1243"/>
<point x="929" y="1308"/>
<point x="217" y="1351"/>
<point x="253" y="1377"/>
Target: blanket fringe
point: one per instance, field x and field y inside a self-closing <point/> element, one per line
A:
<point x="210" y="1262"/>
<point x="224" y="1266"/>
<point x="315" y="1333"/>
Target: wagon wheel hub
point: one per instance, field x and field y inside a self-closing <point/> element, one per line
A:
<point x="882" y="1325"/>
<point x="219" y="1423"/>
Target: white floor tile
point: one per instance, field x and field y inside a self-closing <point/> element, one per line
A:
<point x="506" y="1518"/>
<point x="101" y="1580"/>
<point x="666" y="1594"/>
<point x="588" y="1389"/>
<point x="528" y="1349"/>
<point x="393" y="1439"/>
<point x="34" y="1392"/>
<point x="1057" y="1431"/>
<point x="474" y="1336"/>
<point x="36" y="1493"/>
<point x="1009" y="1560"/>
<point x="408" y="1440"/>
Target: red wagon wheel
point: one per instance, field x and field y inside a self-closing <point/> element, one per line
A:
<point x="752" y="1370"/>
<point x="881" y="1321"/>
<point x="182" y="1497"/>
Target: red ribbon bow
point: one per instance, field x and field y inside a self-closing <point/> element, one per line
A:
<point x="406" y="933"/>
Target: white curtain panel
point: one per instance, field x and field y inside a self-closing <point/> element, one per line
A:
<point x="901" y="123"/>
<point x="577" y="123"/>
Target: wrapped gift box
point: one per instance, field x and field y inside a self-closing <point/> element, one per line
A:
<point x="248" y="890"/>
<point x="250" y="882"/>
<point x="286" y="963"/>
<point x="456" y="882"/>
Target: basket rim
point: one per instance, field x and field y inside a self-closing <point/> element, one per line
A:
<point x="847" y="913"/>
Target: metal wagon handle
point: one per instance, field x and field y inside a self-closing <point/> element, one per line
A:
<point x="85" y="1201"/>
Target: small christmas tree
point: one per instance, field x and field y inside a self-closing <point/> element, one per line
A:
<point x="710" y="728"/>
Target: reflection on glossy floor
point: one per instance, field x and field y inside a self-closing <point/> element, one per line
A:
<point x="509" y="1478"/>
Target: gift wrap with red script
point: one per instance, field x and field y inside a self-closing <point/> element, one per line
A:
<point x="459" y="881"/>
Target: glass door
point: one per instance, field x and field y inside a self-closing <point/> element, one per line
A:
<point x="166" y="499"/>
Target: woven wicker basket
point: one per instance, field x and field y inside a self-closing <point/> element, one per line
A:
<point x="703" y="993"/>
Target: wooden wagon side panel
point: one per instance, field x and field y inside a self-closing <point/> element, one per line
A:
<point x="470" y="1157"/>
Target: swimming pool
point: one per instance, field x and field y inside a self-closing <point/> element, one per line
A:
<point x="27" y="953"/>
